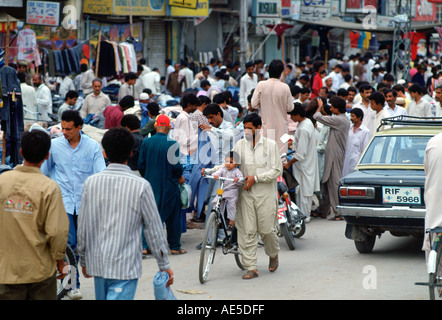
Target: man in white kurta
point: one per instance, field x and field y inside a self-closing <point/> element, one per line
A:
<point x="433" y="187"/>
<point x="304" y="160"/>
<point x="273" y="99"/>
<point x="44" y="98"/>
<point x="261" y="164"/>
<point x="418" y="106"/>
<point x="364" y="105"/>
<point x="357" y="140"/>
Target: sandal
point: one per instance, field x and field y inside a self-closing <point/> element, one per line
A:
<point x="317" y="214"/>
<point x="337" y="218"/>
<point x="180" y="251"/>
<point x="250" y="274"/>
<point x="273" y="264"/>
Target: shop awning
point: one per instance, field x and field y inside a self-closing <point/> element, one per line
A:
<point x="339" y="23"/>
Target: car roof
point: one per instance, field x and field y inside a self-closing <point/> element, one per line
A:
<point x="407" y="130"/>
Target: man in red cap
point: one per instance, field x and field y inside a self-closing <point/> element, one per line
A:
<point x="158" y="163"/>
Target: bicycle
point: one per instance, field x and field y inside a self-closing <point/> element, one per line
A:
<point x="434" y="266"/>
<point x="215" y="223"/>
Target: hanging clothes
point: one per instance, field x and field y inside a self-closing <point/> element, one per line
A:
<point x="354" y="39"/>
<point x="366" y="42"/>
<point x="106" y="62"/>
<point x="27" y="43"/>
<point x="11" y="114"/>
<point x="374" y="45"/>
<point x="361" y="39"/>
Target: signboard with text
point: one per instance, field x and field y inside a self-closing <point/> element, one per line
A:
<point x="43" y="13"/>
<point x="315" y="10"/>
<point x="190" y="4"/>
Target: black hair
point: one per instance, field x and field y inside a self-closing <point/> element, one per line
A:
<point x="365" y="87"/>
<point x="377" y="97"/>
<point x="118" y="142"/>
<point x="358" y="113"/>
<point x="219" y="98"/>
<point x="213" y="109"/>
<point x="353" y="89"/>
<point x="233" y="155"/>
<point x="204" y="83"/>
<point x="130" y="121"/>
<point x="35" y="145"/>
<point x="342" y="92"/>
<point x="72" y="115"/>
<point x="254" y="118"/>
<point x="298" y="110"/>
<point x="338" y="103"/>
<point x="189" y="98"/>
<point x="250" y="64"/>
<point x="147" y="90"/>
<point x="276" y="67"/>
<point x="204" y="99"/>
<point x="392" y="91"/>
<point x="71" y="94"/>
<point x="154" y="108"/>
<point x="21" y="77"/>
<point x="416" y="88"/>
<point x="130" y="76"/>
<point x="127" y="102"/>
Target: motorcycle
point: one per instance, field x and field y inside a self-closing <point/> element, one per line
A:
<point x="291" y="220"/>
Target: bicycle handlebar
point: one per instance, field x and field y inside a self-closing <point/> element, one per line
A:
<point x="241" y="181"/>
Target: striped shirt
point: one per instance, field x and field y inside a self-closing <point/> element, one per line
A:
<point x="114" y="206"/>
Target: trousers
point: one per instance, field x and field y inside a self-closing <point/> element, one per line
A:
<point x="113" y="289"/>
<point x="256" y="217"/>
<point x="43" y="290"/>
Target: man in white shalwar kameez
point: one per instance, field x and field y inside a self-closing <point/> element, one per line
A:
<point x="357" y="140"/>
<point x="304" y="160"/>
<point x="433" y="187"/>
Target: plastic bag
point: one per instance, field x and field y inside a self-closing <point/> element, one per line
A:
<point x="186" y="195"/>
<point x="159" y="287"/>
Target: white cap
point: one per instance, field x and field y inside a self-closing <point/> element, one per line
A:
<point x="144" y="96"/>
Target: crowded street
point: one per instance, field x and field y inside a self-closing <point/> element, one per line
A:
<point x="220" y="150"/>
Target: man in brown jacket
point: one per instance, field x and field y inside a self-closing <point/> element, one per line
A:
<point x="33" y="225"/>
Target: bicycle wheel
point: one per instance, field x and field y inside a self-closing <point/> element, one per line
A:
<point x="208" y="246"/>
<point x="435" y="280"/>
<point x="63" y="285"/>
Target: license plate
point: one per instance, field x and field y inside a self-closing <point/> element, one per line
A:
<point x="401" y="195"/>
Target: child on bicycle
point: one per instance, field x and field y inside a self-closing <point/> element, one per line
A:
<point x="230" y="195"/>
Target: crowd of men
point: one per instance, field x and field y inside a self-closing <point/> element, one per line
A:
<point x="311" y="120"/>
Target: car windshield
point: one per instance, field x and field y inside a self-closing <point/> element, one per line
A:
<point x="394" y="150"/>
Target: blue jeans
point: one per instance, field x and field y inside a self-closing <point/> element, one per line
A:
<point x="112" y="289"/>
<point x="72" y="242"/>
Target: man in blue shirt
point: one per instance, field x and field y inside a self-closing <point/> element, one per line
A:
<point x="73" y="158"/>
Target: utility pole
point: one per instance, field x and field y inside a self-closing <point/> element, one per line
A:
<point x="243" y="27"/>
<point x="401" y="56"/>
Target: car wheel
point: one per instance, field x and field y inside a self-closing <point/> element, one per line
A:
<point x="367" y="245"/>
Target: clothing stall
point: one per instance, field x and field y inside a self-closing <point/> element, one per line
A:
<point x="115" y="58"/>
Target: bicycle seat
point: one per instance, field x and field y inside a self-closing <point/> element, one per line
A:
<point x="282" y="188"/>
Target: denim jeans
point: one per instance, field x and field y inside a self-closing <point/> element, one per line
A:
<point x="112" y="289"/>
<point x="72" y="242"/>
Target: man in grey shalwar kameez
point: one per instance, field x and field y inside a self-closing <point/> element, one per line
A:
<point x="334" y="155"/>
<point x="261" y="165"/>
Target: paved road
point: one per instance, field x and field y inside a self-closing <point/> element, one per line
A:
<point x="325" y="265"/>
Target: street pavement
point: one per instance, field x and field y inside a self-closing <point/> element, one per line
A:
<point x="324" y="266"/>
